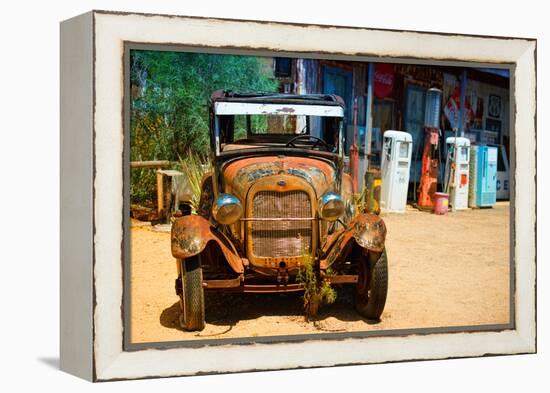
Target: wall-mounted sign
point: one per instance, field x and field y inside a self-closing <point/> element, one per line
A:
<point x="495" y="106"/>
<point x="384" y="76"/>
<point x="452" y="110"/>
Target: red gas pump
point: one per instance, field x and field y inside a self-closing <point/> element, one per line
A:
<point x="428" y="176"/>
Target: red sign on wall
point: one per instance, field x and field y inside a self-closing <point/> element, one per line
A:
<point x="384" y="76"/>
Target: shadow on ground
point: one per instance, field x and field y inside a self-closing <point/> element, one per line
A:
<point x="52" y="362"/>
<point x="228" y="309"/>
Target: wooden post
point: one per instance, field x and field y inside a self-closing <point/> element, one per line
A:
<point x="368" y="115"/>
<point x="160" y="192"/>
<point x="461" y="122"/>
<point x="354" y="151"/>
<point x="300" y="89"/>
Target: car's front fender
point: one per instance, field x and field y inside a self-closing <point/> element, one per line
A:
<point x="191" y="234"/>
<point x="366" y="230"/>
<point x="369" y="231"/>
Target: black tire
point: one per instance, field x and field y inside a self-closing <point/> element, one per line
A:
<point x="192" y="294"/>
<point x="372" y="288"/>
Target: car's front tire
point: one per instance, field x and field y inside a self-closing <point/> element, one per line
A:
<point x="372" y="285"/>
<point x="192" y="294"/>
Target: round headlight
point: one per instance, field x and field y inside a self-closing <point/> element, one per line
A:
<point x="331" y="206"/>
<point x="227" y="209"/>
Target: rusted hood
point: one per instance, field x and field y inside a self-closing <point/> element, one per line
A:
<point x="240" y="175"/>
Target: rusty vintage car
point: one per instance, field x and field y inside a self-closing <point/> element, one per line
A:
<point x="277" y="193"/>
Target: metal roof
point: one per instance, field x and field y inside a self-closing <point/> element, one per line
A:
<point x="277" y="98"/>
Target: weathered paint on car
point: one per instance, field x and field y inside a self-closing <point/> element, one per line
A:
<point x="240" y="175"/>
<point x="191" y="234"/>
<point x="246" y="172"/>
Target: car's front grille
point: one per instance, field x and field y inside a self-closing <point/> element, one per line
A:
<point x="279" y="238"/>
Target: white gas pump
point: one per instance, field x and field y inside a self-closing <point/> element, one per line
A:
<point x="457" y="169"/>
<point x="396" y="163"/>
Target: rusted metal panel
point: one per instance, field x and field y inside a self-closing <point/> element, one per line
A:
<point x="369" y="231"/>
<point x="222" y="284"/>
<point x="263" y="288"/>
<point x="278" y="219"/>
<point x="191" y="234"/>
<point x="279" y="229"/>
<point x="366" y="230"/>
<point x="342" y="279"/>
<point x="285" y="235"/>
<point x="239" y="175"/>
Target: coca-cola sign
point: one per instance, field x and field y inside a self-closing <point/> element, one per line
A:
<point x="383" y="80"/>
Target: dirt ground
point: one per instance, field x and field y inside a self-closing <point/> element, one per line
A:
<point x="444" y="271"/>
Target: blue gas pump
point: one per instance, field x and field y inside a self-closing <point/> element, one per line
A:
<point x="486" y="193"/>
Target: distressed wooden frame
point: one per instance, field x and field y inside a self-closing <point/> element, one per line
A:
<point x="92" y="199"/>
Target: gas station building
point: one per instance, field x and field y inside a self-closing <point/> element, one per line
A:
<point x="475" y="104"/>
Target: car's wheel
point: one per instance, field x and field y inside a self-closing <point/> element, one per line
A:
<point x="192" y="294"/>
<point x="372" y="286"/>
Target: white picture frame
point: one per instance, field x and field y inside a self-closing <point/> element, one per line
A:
<point x="92" y="197"/>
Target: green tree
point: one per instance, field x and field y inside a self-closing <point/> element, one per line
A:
<point x="169" y="97"/>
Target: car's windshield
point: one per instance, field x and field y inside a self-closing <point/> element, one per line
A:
<point x="249" y="126"/>
<point x="241" y="131"/>
<point x="252" y="125"/>
<point x="296" y="131"/>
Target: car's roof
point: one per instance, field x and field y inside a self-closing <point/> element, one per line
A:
<point x="276" y="98"/>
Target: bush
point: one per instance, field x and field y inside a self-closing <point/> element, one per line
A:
<point x="194" y="167"/>
<point x="169" y="104"/>
<point x="316" y="292"/>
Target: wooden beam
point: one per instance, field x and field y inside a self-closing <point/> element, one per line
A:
<point x="150" y="164"/>
<point x="368" y="115"/>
